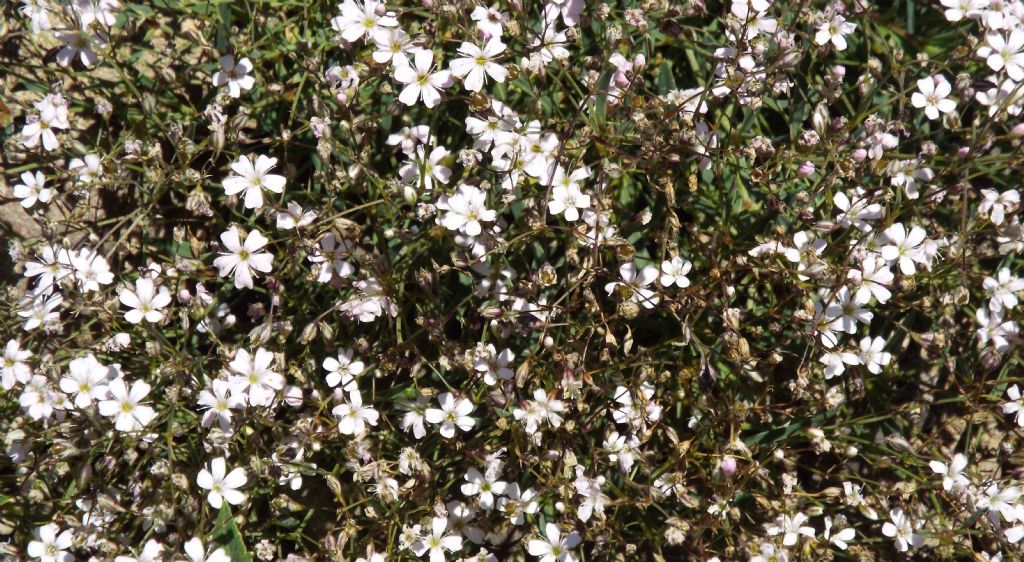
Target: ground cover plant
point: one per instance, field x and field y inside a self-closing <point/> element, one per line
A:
<point x="560" y="281"/>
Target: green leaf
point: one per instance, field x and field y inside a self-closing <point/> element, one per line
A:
<point x="226" y="534"/>
<point x="601" y="105"/>
<point x="666" y="81"/>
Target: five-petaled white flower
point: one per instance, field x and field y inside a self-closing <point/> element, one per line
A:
<point x="902" y="530"/>
<point x="145" y="301"/>
<point x="252" y="178"/>
<point x="223" y="485"/>
<point x="453" y="413"/>
<point x="357" y="19"/>
<point x="933" y="96"/>
<point x="254" y="377"/>
<point x="555" y="547"/>
<point x="673" y="272"/>
<point x="466" y="210"/>
<point x="635" y="283"/>
<point x="835" y="31"/>
<point x="51" y="545"/>
<point x="125" y="405"/>
<point x="1015" y="405"/>
<point x="86" y="380"/>
<point x="438" y="541"/>
<point x="478" y="63"/>
<point x="353" y="415"/>
<point x="953" y="476"/>
<point x="567" y="198"/>
<point x="32" y="189"/>
<point x="234" y="75"/>
<point x="421" y="82"/>
<point x="13" y="367"/>
<point x="343" y="370"/>
<point x="241" y="259"/>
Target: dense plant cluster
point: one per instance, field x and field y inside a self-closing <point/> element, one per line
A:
<point x="562" y="281"/>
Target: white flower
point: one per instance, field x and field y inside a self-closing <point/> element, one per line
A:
<point x="492" y="364"/>
<point x="353" y="416"/>
<point x="420" y="81"/>
<point x="1015" y="405"/>
<point x="252" y="178"/>
<point x="195" y="552"/>
<point x="86" y="380"/>
<point x="932" y="95"/>
<point x="294" y="217"/>
<point x="872" y="355"/>
<point x="50" y="546"/>
<point x="12" y="365"/>
<point x="842" y="536"/>
<point x="438" y="541"/>
<point x="223" y="485"/>
<point x="593" y="499"/>
<point x="53" y="114"/>
<point x="834" y="31"/>
<point x="566" y="197"/>
<point x="126" y="407"/>
<point x="97" y="11"/>
<point x="331" y="254"/>
<point x="959" y="9"/>
<point x="369" y="19"/>
<point x="856" y="211"/>
<point x="555" y="548"/>
<point x="145" y="301"/>
<point x="343" y="370"/>
<point x="234" y="75"/>
<point x="847" y="309"/>
<point x="904" y="248"/>
<point x="902" y="530"/>
<point x="486" y="485"/>
<point x="41" y="312"/>
<point x="952" y="474"/>
<point x="392" y="47"/>
<point x="89" y="168"/>
<point x="466" y="210"/>
<point x="872" y="279"/>
<point x="790" y="527"/>
<point x="218" y="400"/>
<point x="998" y="502"/>
<point x="432" y="170"/>
<point x="994" y="329"/>
<point x="835" y="362"/>
<point x="453" y="413"/>
<point x="32" y="189"/>
<point x="768" y="553"/>
<point x="91" y="270"/>
<point x="673" y="272"/>
<point x="478" y="63"/>
<point x="254" y="376"/>
<point x="998" y="204"/>
<point x="489" y="21"/>
<point x="635" y="284"/>
<point x="241" y="259"/>
<point x="1005" y="53"/>
<point x="409" y="138"/>
<point x="1002" y="291"/>
<point x="151" y="552"/>
<point x="80" y="45"/>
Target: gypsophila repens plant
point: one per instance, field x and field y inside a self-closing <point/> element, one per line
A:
<point x="559" y="281"/>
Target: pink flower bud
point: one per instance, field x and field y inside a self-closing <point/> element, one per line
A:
<point x="380" y="10"/>
<point x="184" y="296"/>
<point x="805" y="170"/>
<point x="839" y="71"/>
<point x="963" y="152"/>
<point x="1017" y="130"/>
<point x="860" y="154"/>
<point x="727" y="465"/>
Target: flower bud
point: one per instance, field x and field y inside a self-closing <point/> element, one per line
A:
<point x="805" y="170"/>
